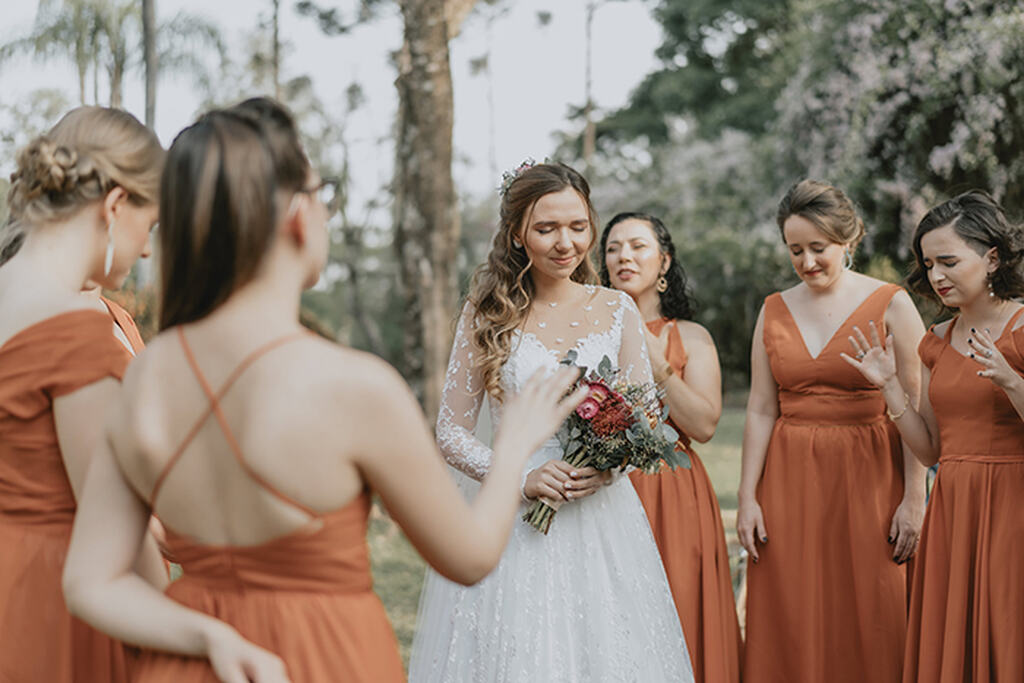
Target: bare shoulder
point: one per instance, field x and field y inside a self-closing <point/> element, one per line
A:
<point x="693" y="333"/>
<point x="340" y="375"/>
<point x="901" y="309"/>
<point x="940" y="329"/>
<point x="1019" y="322"/>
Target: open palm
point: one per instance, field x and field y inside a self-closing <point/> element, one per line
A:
<point x="875" y="360"/>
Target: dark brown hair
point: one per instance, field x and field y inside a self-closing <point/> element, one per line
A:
<point x="980" y="221"/>
<point x="675" y="302"/>
<point x="219" y="204"/>
<point x="502" y="289"/>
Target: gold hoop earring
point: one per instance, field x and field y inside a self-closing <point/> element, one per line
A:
<point x="108" y="257"/>
<point x="662" y="285"/>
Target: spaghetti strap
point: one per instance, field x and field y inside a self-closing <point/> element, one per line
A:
<point x="214" y="409"/>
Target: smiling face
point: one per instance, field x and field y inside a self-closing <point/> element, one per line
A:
<point x="633" y="258"/>
<point x="956" y="271"/>
<point x="815" y="258"/>
<point x="557" y="234"/>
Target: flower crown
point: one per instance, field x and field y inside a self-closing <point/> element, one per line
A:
<point x="509" y="177"/>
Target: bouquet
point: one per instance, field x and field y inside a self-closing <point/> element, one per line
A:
<point x="619" y="424"/>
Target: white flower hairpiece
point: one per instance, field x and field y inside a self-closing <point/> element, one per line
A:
<point x="508" y="177"/>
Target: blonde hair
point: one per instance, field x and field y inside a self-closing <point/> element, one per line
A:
<point x="89" y="152"/>
<point x="827" y="207"/>
<point x="502" y="289"/>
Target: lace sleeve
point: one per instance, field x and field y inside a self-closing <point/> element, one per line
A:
<point x="461" y="399"/>
<point x="633" y="359"/>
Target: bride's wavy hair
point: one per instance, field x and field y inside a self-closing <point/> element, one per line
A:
<point x="502" y="289"/>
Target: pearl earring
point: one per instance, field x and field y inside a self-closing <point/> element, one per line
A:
<point x="517" y="244"/>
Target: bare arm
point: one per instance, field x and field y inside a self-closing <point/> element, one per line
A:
<point x="695" y="400"/>
<point x="762" y="412"/>
<point x="79" y="418"/>
<point x="903" y="320"/>
<point x="462" y="541"/>
<point x="102" y="587"/>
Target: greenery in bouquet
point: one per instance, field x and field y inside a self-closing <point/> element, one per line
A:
<point x="619" y="424"/>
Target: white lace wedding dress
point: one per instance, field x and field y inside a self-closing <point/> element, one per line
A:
<point x="587" y="603"/>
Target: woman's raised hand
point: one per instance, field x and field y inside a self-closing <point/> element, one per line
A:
<point x="994" y="365"/>
<point x="875" y="360"/>
<point x="530" y="417"/>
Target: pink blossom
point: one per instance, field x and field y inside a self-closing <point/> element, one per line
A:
<point x="588" y="408"/>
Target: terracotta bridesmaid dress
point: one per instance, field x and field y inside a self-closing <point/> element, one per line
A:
<point x="39" y="639"/>
<point x="967" y="603"/>
<point x="306" y="596"/>
<point x="826" y="602"/>
<point x="687" y="523"/>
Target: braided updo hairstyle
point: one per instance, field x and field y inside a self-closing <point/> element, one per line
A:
<point x="827" y="207"/>
<point x="90" y="151"/>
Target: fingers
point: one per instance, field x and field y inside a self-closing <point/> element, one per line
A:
<point x="875" y="340"/>
<point x="905" y="542"/>
<point x="746" y="535"/>
<point x="858" y="348"/>
<point x="862" y="341"/>
<point x="852" y="361"/>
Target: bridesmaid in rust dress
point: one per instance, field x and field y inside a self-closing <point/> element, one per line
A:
<point x="967" y="600"/>
<point x="82" y="201"/>
<point x="257" y="445"/>
<point x="830" y="504"/>
<point x="639" y="259"/>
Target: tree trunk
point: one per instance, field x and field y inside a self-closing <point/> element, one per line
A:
<point x="116" y="81"/>
<point x="149" y="55"/>
<point x="425" y="212"/>
<point x="276" y="51"/>
<point x="589" y="134"/>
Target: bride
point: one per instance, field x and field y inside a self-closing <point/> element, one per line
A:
<point x="589" y="601"/>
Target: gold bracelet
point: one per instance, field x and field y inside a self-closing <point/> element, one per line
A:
<point x="671" y="371"/>
<point x="906" y="404"/>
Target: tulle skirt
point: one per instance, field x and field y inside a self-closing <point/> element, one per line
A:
<point x="587" y="602"/>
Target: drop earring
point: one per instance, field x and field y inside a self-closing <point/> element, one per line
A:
<point x="108" y="257"/>
<point x="847" y="260"/>
<point x="516" y="243"/>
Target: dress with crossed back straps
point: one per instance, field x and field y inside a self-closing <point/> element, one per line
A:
<point x="968" y="591"/>
<point x="826" y="602"/>
<point x="307" y="596"/>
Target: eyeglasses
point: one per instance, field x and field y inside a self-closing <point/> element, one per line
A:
<point x="326" y="191"/>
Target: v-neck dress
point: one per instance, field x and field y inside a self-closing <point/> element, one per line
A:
<point x="967" y="607"/>
<point x="826" y="602"/>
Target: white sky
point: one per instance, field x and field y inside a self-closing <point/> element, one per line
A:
<point x="538" y="73"/>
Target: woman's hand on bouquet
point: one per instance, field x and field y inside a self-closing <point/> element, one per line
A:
<point x="750" y="527"/>
<point x="235" y="660"/>
<point x="875" y="360"/>
<point x="557" y="480"/>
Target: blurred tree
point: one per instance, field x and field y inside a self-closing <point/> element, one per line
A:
<point x="105" y="35"/>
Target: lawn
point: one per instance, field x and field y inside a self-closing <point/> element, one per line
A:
<point x="398" y="570"/>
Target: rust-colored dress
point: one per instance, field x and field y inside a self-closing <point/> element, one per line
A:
<point x="307" y="596"/>
<point x="687" y="523"/>
<point x="826" y="602"/>
<point x="967" y="604"/>
<point x="39" y="639"/>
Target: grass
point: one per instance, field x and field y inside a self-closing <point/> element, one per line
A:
<point x="398" y="570"/>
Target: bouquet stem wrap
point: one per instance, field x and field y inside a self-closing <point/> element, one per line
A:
<point x="541" y="512"/>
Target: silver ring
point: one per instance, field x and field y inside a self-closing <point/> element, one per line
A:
<point x="988" y="353"/>
<point x="860" y="354"/>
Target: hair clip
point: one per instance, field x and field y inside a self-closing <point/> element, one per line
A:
<point x="509" y="177"/>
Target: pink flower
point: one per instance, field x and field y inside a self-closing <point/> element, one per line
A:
<point x="598" y="391"/>
<point x="588" y="408"/>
